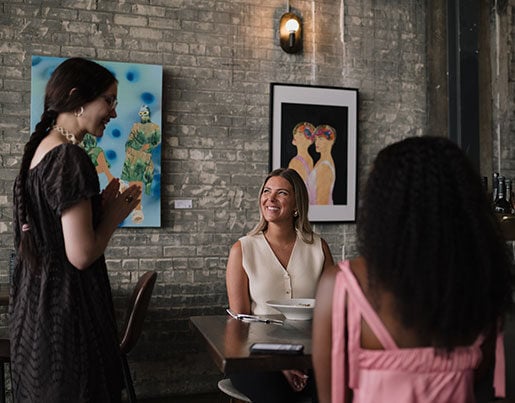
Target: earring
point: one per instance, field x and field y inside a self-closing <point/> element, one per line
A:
<point x="295" y="213"/>
<point x="80" y="112"/>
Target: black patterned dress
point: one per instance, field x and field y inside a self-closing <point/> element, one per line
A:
<point x="64" y="341"/>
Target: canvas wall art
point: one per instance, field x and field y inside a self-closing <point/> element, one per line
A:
<point x="130" y="148"/>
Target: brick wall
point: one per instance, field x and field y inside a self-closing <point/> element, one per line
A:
<point x="509" y="129"/>
<point x="219" y="58"/>
<point x="503" y="97"/>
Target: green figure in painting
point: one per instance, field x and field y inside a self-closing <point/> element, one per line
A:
<point x="97" y="156"/>
<point x="138" y="167"/>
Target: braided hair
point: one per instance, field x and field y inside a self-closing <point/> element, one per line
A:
<point x="75" y="82"/>
<point x="429" y="236"/>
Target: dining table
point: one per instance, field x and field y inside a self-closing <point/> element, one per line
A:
<point x="228" y="341"/>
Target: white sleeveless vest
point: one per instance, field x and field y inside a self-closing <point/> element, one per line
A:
<point x="269" y="280"/>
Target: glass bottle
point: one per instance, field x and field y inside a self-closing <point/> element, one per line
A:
<point x="501" y="205"/>
<point x="495" y="186"/>
<point x="508" y="195"/>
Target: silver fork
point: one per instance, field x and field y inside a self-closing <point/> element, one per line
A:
<point x="253" y="318"/>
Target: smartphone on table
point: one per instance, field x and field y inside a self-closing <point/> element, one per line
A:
<point x="276" y="348"/>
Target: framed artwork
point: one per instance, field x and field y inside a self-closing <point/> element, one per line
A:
<point x="314" y="131"/>
<point x="130" y="148"/>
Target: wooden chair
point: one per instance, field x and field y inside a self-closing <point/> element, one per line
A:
<point x="235" y="396"/>
<point x="5" y="344"/>
<point x="5" y="358"/>
<point x="135" y="316"/>
<point x="226" y="386"/>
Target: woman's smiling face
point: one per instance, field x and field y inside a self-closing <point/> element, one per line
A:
<point x="100" y="111"/>
<point x="277" y="200"/>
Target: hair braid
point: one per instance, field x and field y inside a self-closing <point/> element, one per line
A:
<point x="26" y="248"/>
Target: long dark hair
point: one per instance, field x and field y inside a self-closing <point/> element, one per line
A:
<point x="73" y="83"/>
<point x="429" y="236"/>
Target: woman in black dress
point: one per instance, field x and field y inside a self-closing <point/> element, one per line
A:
<point x="64" y="341"/>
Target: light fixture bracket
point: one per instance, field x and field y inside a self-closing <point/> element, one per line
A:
<point x="290" y="38"/>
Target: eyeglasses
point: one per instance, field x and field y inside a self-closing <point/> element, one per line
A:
<point x="110" y="100"/>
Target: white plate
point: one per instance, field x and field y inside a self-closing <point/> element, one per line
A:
<point x="295" y="308"/>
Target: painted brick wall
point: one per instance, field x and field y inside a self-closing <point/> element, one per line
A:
<point x="219" y="58"/>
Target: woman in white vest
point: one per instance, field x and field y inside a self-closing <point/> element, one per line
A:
<point x="280" y="258"/>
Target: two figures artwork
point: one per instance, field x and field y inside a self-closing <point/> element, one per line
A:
<point x="319" y="177"/>
<point x="314" y="131"/>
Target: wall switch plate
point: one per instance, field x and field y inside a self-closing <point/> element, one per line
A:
<point x="183" y="204"/>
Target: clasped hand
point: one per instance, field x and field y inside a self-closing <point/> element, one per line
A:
<point x="117" y="206"/>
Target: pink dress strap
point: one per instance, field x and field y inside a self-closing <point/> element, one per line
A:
<point x="365" y="310"/>
<point x="359" y="308"/>
<point x="349" y="320"/>
<point x="500" y="367"/>
<point x="339" y="342"/>
<point x="338" y="356"/>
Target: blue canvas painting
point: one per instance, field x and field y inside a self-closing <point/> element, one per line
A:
<point x="130" y="148"/>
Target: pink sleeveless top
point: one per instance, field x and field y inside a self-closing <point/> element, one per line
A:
<point x="401" y="375"/>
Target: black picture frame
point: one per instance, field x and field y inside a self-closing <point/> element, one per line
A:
<point x="330" y="114"/>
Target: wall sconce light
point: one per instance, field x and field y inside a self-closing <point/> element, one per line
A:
<point x="290" y="33"/>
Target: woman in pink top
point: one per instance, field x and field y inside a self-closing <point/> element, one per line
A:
<point x="417" y="317"/>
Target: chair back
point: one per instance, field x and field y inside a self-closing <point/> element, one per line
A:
<point x="5" y="350"/>
<point x="136" y="311"/>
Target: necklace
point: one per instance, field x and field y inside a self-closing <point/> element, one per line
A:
<point x="66" y="133"/>
<point x="281" y="252"/>
<point x="280" y="245"/>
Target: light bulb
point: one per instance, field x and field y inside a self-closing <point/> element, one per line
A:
<point x="292" y="25"/>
